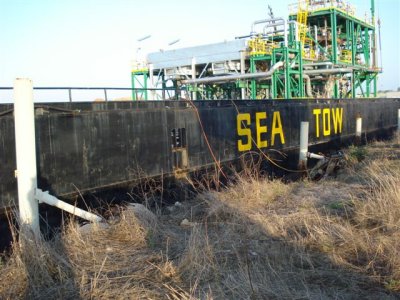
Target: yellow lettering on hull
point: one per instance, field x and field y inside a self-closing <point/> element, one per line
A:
<point x="243" y="120"/>
<point x="261" y="129"/>
<point x="277" y="128"/>
<point x="259" y="138"/>
<point x="331" y="120"/>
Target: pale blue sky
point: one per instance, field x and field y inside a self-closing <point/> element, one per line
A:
<point x="91" y="43"/>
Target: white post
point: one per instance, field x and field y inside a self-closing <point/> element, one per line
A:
<point x="304" y="126"/>
<point x="398" y="120"/>
<point x="24" y="116"/>
<point x="358" y="130"/>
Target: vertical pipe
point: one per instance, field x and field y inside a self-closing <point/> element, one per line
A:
<point x="358" y="130"/>
<point x="316" y="41"/>
<point x="105" y="95"/>
<point x="243" y="70"/>
<point x="194" y="93"/>
<point x="285" y="33"/>
<point x="70" y="95"/>
<point x="398" y="120"/>
<point x="304" y="126"/>
<point x="24" y="116"/>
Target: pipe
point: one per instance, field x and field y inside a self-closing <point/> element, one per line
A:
<point x="327" y="63"/>
<point x="358" y="130"/>
<point x="304" y="128"/>
<point x="45" y="197"/>
<point x="262" y="22"/>
<point x="316" y="156"/>
<point x="25" y="144"/>
<point x="308" y="85"/>
<point x="296" y="29"/>
<point x="243" y="70"/>
<point x="398" y="121"/>
<point x="278" y="24"/>
<point x="235" y="77"/>
<point x="328" y="71"/>
<point x="285" y="32"/>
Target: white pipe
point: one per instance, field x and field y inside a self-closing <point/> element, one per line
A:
<point x="45" y="197"/>
<point x="262" y="22"/>
<point x="296" y="29"/>
<point x="235" y="77"/>
<point x="358" y="127"/>
<point x="398" y="120"/>
<point x="328" y="71"/>
<point x="308" y="85"/>
<point x="326" y="63"/>
<point x="285" y="32"/>
<point x="276" y="25"/>
<point x="243" y="70"/>
<point x="24" y="116"/>
<point x="316" y="156"/>
<point x="194" y="94"/>
<point x="304" y="126"/>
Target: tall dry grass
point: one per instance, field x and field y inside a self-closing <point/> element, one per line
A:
<point x="255" y="239"/>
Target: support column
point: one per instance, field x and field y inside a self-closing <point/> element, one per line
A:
<point x="334" y="37"/>
<point x="24" y="116"/>
<point x="287" y="73"/>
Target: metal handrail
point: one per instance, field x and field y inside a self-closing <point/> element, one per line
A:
<point x="105" y="89"/>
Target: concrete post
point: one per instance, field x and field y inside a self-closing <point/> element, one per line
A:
<point x="304" y="128"/>
<point x="24" y="116"/>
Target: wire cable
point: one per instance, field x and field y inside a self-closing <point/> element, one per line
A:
<point x="206" y="138"/>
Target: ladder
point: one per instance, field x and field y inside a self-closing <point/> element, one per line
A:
<point x="302" y="16"/>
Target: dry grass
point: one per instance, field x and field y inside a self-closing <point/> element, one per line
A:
<point x="257" y="239"/>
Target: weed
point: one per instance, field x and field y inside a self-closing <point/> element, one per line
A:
<point x="358" y="153"/>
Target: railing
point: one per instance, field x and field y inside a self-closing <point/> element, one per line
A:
<point x="168" y="93"/>
<point x="315" y="5"/>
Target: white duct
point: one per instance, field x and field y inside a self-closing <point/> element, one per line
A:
<point x="235" y="77"/>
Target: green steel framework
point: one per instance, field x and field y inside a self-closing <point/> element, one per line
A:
<point x="139" y="80"/>
<point x="351" y="45"/>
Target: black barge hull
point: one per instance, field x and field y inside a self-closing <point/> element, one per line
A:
<point x="90" y="146"/>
